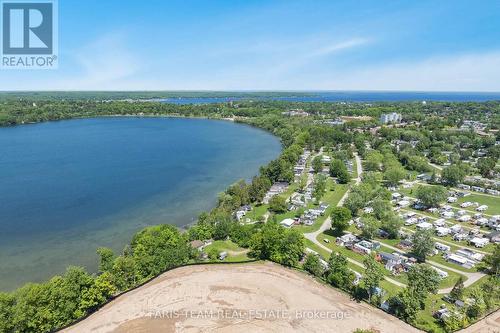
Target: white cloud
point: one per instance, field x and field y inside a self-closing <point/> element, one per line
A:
<point x="466" y="72"/>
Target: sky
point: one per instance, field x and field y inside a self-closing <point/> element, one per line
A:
<point x="272" y="45"/>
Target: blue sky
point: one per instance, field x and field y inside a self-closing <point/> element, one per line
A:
<point x="272" y="45"/>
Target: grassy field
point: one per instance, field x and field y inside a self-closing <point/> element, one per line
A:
<point x="493" y="203"/>
<point x="235" y="253"/>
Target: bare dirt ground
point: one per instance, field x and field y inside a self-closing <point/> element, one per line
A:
<point x="259" y="297"/>
<point x="490" y="324"/>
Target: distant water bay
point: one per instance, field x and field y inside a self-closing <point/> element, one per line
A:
<point x="71" y="186"/>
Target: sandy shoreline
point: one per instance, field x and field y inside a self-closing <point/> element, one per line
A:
<point x="259" y="297"/>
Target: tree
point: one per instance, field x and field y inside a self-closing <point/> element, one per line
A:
<point x="454" y="322"/>
<point x="317" y="164"/>
<point x="458" y="289"/>
<point x="486" y="165"/>
<point x="423" y="279"/>
<point x="392" y="224"/>
<point x="98" y="293"/>
<point x="7" y="303"/>
<point x="313" y="265"/>
<point x="431" y="196"/>
<point x="354" y="203"/>
<point x="453" y="175"/>
<point x="394" y="175"/>
<point x="277" y="204"/>
<point x="423" y="243"/>
<point x="381" y="208"/>
<point x="106" y="258"/>
<point x="257" y="190"/>
<point x="319" y="186"/>
<point x="158" y="248"/>
<point x="339" y="274"/>
<point x="370" y="226"/>
<point x="493" y="261"/>
<point x="276" y="243"/>
<point x="339" y="170"/>
<point x="374" y="273"/>
<point x="478" y="306"/>
<point x="373" y="160"/>
<point x="340" y="219"/>
<point x="405" y="305"/>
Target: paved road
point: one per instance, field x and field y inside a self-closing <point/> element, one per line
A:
<point x="313" y="237"/>
<point x="471" y="277"/>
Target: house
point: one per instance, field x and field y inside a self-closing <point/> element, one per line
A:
<point x="403" y="203"/>
<point x="197" y="244"/>
<point x="442" y="247"/>
<point x="287" y="223"/>
<point x="459" y="260"/>
<point x="359" y="248"/>
<point x="479" y="242"/>
<point x="470" y="254"/>
<point x="482" y="208"/>
<point x="494" y="236"/>
<point x="464" y="218"/>
<point x="447" y="214"/>
<point x="456" y="229"/>
<point x="442" y="231"/>
<point x="441" y="273"/>
<point x="396" y="195"/>
<point x="482" y="221"/>
<point x="345" y="239"/>
<point x="411" y="221"/>
<point x="405" y="244"/>
<point x="424" y="226"/>
<point x="439" y="223"/>
<point x="460" y="237"/>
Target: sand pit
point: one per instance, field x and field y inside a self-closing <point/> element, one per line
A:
<point x="259" y="297"/>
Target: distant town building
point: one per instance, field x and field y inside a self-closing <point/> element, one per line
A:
<point x="295" y="113"/>
<point x="387" y="118"/>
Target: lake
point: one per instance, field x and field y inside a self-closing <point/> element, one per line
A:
<point x="352" y="96"/>
<point x="68" y="187"/>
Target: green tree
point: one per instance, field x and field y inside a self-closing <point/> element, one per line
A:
<point x="374" y="273"/>
<point x="7" y="303"/>
<point x="493" y="261"/>
<point x="431" y="196"/>
<point x="319" y="186"/>
<point x="340" y="219"/>
<point x="317" y="164"/>
<point x="392" y="224"/>
<point x="370" y="226"/>
<point x="394" y="175"/>
<point x="339" y="274"/>
<point x="478" y="306"/>
<point x="423" y="243"/>
<point x="158" y="248"/>
<point x="339" y="170"/>
<point x="453" y="175"/>
<point x="99" y="292"/>
<point x="276" y="243"/>
<point x="106" y="258"/>
<point x="486" y="165"/>
<point x="277" y="204"/>
<point x="458" y="289"/>
<point x="313" y="265"/>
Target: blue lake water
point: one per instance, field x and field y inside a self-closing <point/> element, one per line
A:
<point x="71" y="186"/>
<point x="354" y="96"/>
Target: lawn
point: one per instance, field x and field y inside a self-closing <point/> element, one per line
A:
<point x="493" y="203"/>
<point x="235" y="253"/>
